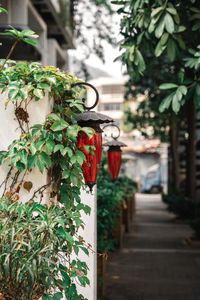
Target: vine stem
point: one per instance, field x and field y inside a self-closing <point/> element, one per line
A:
<point x="9" y="53"/>
<point x="18" y="120"/>
<point x="6" y="180"/>
<point x="40" y="190"/>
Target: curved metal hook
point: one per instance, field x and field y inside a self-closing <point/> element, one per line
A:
<point x="113" y="125"/>
<point x="94" y="89"/>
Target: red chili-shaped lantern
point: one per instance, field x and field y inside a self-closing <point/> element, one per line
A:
<point x="90" y="165"/>
<point x="91" y="147"/>
<point x="114" y="154"/>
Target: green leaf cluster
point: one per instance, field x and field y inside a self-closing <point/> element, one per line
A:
<point x="35" y="245"/>
<point x="166" y="34"/>
<point x="27" y="36"/>
<point x="37" y="241"/>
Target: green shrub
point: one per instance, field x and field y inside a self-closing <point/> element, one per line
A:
<point x="35" y="245"/>
<point x="186" y="209"/>
<point x="195" y="222"/>
<point x="110" y="195"/>
<point x="180" y="205"/>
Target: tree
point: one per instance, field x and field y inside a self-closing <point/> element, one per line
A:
<point x="161" y="50"/>
<point x="91" y="21"/>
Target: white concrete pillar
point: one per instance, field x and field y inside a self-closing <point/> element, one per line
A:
<point x="164" y="166"/>
<point x="52" y="56"/>
<point x="19" y="12"/>
<point x="5" y="19"/>
<point x="36" y="23"/>
<point x="89" y="233"/>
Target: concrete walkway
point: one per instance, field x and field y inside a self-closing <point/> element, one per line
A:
<point x="155" y="263"/>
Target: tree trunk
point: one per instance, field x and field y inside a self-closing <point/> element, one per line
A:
<point x="175" y="164"/>
<point x="191" y="151"/>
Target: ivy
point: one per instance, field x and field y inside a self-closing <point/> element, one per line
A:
<point x="37" y="240"/>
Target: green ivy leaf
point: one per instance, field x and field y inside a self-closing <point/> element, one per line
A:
<point x="12" y="94"/>
<point x="38" y="93"/>
<point x="32" y="160"/>
<point x="65" y="235"/>
<point x="72" y="132"/>
<point x="58" y="147"/>
<point x="50" y="145"/>
<point x="59" y="125"/>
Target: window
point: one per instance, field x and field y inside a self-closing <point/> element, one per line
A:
<point x="110" y="106"/>
<point x="113" y="89"/>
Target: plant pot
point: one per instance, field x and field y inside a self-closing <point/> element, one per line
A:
<point x="101" y="276"/>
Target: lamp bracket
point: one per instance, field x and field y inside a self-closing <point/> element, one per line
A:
<point x="94" y="89"/>
<point x="113" y="125"/>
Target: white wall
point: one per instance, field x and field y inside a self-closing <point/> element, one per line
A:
<point x="90" y="236"/>
<point x="10" y="131"/>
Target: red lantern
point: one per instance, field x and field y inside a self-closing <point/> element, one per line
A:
<point x="90" y="165"/>
<point x="98" y="147"/>
<point x="93" y="155"/>
<point x="114" y="161"/>
<point x="114" y="154"/>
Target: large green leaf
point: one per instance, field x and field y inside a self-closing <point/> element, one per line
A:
<point x="169" y="23"/>
<point x="167" y="86"/>
<point x="59" y="125"/>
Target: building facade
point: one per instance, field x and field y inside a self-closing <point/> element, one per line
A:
<point x="43" y="17"/>
<point x="111" y="91"/>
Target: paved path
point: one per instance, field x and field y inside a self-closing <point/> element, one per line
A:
<point x="155" y="263"/>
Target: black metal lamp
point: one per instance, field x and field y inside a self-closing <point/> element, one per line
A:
<point x="93" y="120"/>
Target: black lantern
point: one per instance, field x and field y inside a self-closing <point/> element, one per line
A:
<point x="93" y="120"/>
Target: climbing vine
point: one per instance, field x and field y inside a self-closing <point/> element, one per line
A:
<point x="37" y="239"/>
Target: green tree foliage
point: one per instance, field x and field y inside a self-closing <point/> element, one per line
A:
<point x="148" y="120"/>
<point x="92" y="27"/>
<point x="161" y="48"/>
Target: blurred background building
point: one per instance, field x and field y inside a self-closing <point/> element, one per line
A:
<point x="45" y="18"/>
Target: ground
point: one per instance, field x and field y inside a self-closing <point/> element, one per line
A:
<point x="155" y="263"/>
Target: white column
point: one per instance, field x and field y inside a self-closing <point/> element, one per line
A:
<point x="90" y="236"/>
<point x="52" y="56"/>
<point x="164" y="166"/>
<point x="19" y="12"/>
<point x="5" y="19"/>
<point x="36" y="23"/>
